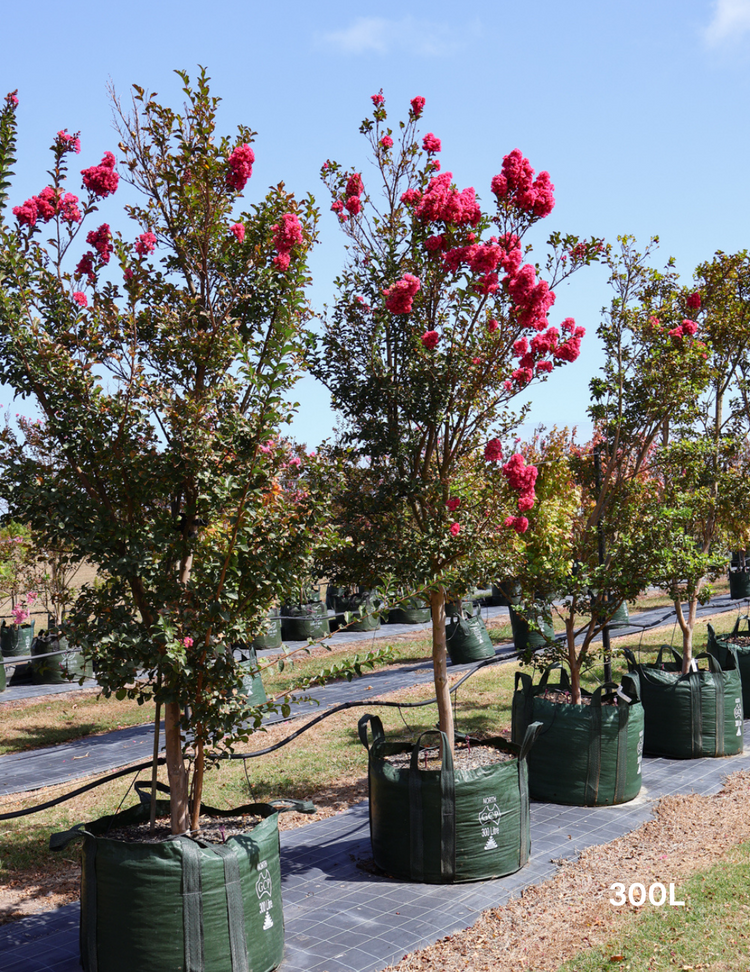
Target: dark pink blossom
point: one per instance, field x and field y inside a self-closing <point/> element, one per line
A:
<point x="522" y="376"/>
<point x="453" y="504"/>
<point x="68" y="142"/>
<point x="12" y="99"/>
<point x="433" y="243"/>
<point x="377" y="99"/>
<point x="411" y="196"/>
<point x="101" y="180"/>
<point x="101" y="240"/>
<point x="493" y="451"/>
<point x="568" y="350"/>
<point x="417" y="106"/>
<point x="240" y="164"/>
<point x="544" y="367"/>
<point x="145" y="244"/>
<point x="27" y="213"/>
<point x="492" y="325"/>
<point x="431" y="143"/>
<point x="455" y="529"/>
<point x="354" y="185"/>
<point x="337" y="206"/>
<point x="399" y="297"/>
<point x="515" y="185"/>
<point x="238" y="232"/>
<point x="519" y="523"/>
<point x="677" y="334"/>
<point x="689" y="327"/>
<point x="287" y="234"/>
<point x="69" y="210"/>
<point x="80" y="298"/>
<point x="441" y="202"/>
<point x="694" y="301"/>
<point x="354" y="205"/>
<point x="86" y="267"/>
<point x="430" y="340"/>
<point x="386" y="141"/>
<point x="526" y="501"/>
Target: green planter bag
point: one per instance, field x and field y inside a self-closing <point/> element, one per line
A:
<point x="355" y="605"/>
<point x="739" y="584"/>
<point x="443" y="826"/>
<point x="468" y="640"/>
<point x="697" y="714"/>
<point x="181" y="905"/>
<point x="505" y="593"/>
<point x="412" y="610"/>
<point x="586" y="755"/>
<point x="62" y="663"/>
<point x="271" y="637"/>
<point x="722" y="648"/>
<point x="524" y="638"/>
<point x="2" y="678"/>
<point x="302" y="621"/>
<point x="15" y="639"/>
<point x="252" y="683"/>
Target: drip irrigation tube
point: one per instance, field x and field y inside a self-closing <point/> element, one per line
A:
<point x="138" y="768"/>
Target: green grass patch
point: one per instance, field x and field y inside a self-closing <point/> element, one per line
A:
<point x="711" y="931"/>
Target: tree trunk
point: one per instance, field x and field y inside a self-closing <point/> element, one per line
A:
<point x="687" y="626"/>
<point x="573" y="661"/>
<point x="176" y="770"/>
<point x="200" y="762"/>
<point x="440" y="664"/>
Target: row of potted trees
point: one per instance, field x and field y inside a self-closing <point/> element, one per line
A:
<point x="161" y="356"/>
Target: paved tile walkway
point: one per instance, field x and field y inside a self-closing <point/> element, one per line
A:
<point x="341" y="918"/>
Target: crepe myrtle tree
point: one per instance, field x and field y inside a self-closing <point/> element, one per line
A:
<point x="705" y="465"/>
<point x="160" y="356"/>
<point x="611" y="538"/>
<point x="439" y="321"/>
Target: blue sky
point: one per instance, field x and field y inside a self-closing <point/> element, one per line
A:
<point x="638" y="110"/>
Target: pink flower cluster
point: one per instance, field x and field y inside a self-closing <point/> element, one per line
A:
<point x="12" y="99"/>
<point x="101" y="180"/>
<point x="455" y="529"/>
<point x="101" y="240"/>
<point x="188" y="642"/>
<point x="441" y="202"/>
<point x="86" y="267"/>
<point x="417" y="106"/>
<point x="453" y="503"/>
<point x="431" y="143"/>
<point x="240" y="164"/>
<point x="687" y="328"/>
<point x="399" y="297"/>
<point x="238" y="231"/>
<point x="145" y="244"/>
<point x="515" y="184"/>
<point x="694" y="301"/>
<point x="386" y="142"/>
<point x="68" y="142"/>
<point x="430" y="340"/>
<point x="493" y="451"/>
<point x="378" y="99"/>
<point x="287" y="233"/>
<point x="519" y="523"/>
<point x="80" y="298"/>
<point x="49" y="203"/>
<point x="522" y="479"/>
<point x="20" y="614"/>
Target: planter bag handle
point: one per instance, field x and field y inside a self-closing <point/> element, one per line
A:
<point x="378" y="734"/>
<point x="630" y="686"/>
<point x="714" y="665"/>
<point x="564" y="678"/>
<point x="631" y="659"/>
<point x="675" y="654"/>
<point x="447" y="783"/>
<point x="530" y="737"/>
<point x="594" y="767"/>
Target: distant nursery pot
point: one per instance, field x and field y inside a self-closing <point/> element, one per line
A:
<point x="302" y="621"/>
<point x="722" y="646"/>
<point x="62" y="664"/>
<point x="524" y="638"/>
<point x="467" y="639"/>
<point x="412" y="610"/>
<point x="363" y="609"/>
<point x="15" y="639"/>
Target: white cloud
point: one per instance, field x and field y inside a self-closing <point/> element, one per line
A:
<point x="378" y="35"/>
<point x="730" y="21"/>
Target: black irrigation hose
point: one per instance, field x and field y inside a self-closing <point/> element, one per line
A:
<point x="329" y="712"/>
<point x="81" y="789"/>
<point x="509" y="656"/>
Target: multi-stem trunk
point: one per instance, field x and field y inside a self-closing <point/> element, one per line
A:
<point x="440" y="664"/>
<point x="176" y="770"/>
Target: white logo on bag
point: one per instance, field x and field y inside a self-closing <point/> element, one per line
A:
<point x="264" y="884"/>
<point x="268" y="923"/>
<point x="639" y="752"/>
<point x="489" y="816"/>
<point x="738" y="715"/>
<point x="491" y="844"/>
